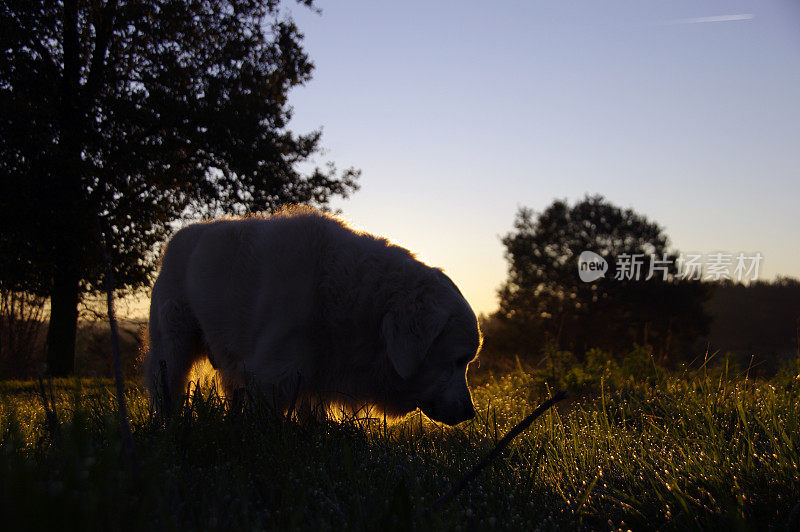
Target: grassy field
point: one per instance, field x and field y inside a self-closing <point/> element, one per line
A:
<point x="634" y="447"/>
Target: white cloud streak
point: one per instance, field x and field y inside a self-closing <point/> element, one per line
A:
<point x="719" y="18"/>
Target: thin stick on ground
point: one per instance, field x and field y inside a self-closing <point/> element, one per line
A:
<point x="49" y="404"/>
<point x="124" y="425"/>
<point x="498" y="449"/>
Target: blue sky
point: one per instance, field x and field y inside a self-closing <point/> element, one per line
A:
<point x="460" y="112"/>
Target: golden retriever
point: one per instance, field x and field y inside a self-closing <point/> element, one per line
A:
<point x="314" y="312"/>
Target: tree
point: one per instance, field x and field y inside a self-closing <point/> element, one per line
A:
<point x="119" y="117"/>
<point x="544" y="303"/>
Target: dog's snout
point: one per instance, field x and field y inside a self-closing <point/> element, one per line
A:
<point x="453" y="415"/>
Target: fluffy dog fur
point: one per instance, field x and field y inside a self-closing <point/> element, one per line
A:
<point x="313" y="312"/>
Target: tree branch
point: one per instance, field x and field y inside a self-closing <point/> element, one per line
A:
<point x="71" y="73"/>
<point x="103" y="28"/>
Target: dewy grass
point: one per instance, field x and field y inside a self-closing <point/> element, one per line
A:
<point x="697" y="450"/>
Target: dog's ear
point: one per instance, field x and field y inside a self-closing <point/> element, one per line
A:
<point x="408" y="332"/>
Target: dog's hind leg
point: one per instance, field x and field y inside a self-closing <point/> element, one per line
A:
<point x="175" y="345"/>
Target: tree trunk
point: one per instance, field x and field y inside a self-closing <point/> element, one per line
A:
<point x="63" y="326"/>
<point x="65" y="292"/>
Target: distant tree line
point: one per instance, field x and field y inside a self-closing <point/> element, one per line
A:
<point x="545" y="307"/>
<point x="761" y="319"/>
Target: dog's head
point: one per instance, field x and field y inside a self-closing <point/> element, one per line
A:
<point x="430" y="341"/>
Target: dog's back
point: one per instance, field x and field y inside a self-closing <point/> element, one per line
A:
<point x="259" y="294"/>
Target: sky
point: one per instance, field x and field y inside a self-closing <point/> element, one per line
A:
<point x="459" y="113"/>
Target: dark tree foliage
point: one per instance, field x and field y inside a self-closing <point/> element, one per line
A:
<point x="544" y="303"/>
<point x="117" y="117"/>
<point x="760" y="319"/>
